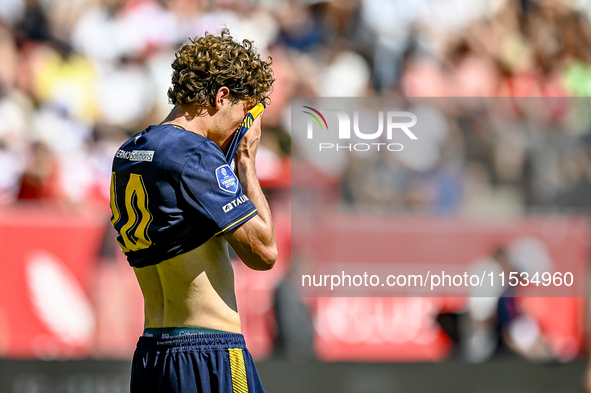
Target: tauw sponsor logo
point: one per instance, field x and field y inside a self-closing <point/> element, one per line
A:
<point x="238" y="201"/>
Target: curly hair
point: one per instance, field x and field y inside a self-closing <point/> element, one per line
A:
<point x="208" y="63"/>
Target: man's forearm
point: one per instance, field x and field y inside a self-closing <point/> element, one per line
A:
<point x="252" y="188"/>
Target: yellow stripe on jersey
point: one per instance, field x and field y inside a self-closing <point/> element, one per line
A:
<point x="236" y="222"/>
<point x="239" y="383"/>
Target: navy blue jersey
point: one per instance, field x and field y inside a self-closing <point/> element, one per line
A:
<point x="171" y="191"/>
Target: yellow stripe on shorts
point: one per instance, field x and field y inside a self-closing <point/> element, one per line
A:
<point x="239" y="384"/>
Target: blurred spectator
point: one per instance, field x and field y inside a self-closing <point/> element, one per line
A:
<point x="40" y="179"/>
<point x="500" y="320"/>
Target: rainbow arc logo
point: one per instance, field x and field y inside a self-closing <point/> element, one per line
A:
<point x="314" y="116"/>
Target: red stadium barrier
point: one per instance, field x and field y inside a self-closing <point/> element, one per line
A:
<point x="47" y="255"/>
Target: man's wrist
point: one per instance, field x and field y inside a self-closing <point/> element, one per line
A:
<point x="245" y="163"/>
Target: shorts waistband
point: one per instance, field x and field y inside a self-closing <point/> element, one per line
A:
<point x="192" y="340"/>
<point x="179" y="331"/>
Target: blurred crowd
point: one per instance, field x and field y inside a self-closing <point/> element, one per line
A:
<point x="77" y="77"/>
<point x="487" y="157"/>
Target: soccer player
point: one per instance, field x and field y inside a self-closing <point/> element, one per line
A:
<point x="176" y="205"/>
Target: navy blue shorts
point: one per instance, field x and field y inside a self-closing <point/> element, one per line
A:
<point x="204" y="363"/>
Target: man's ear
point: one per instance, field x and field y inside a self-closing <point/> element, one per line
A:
<point x="222" y="95"/>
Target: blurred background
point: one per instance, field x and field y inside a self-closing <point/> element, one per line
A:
<point x="79" y="77"/>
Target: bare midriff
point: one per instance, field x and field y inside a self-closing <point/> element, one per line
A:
<point x="192" y="289"/>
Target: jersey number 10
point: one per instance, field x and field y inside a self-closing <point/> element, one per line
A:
<point x="133" y="232"/>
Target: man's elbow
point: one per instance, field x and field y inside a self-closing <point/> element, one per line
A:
<point x="270" y="257"/>
<point x="267" y="259"/>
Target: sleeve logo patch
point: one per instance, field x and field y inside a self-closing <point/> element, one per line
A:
<point x="227" y="180"/>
